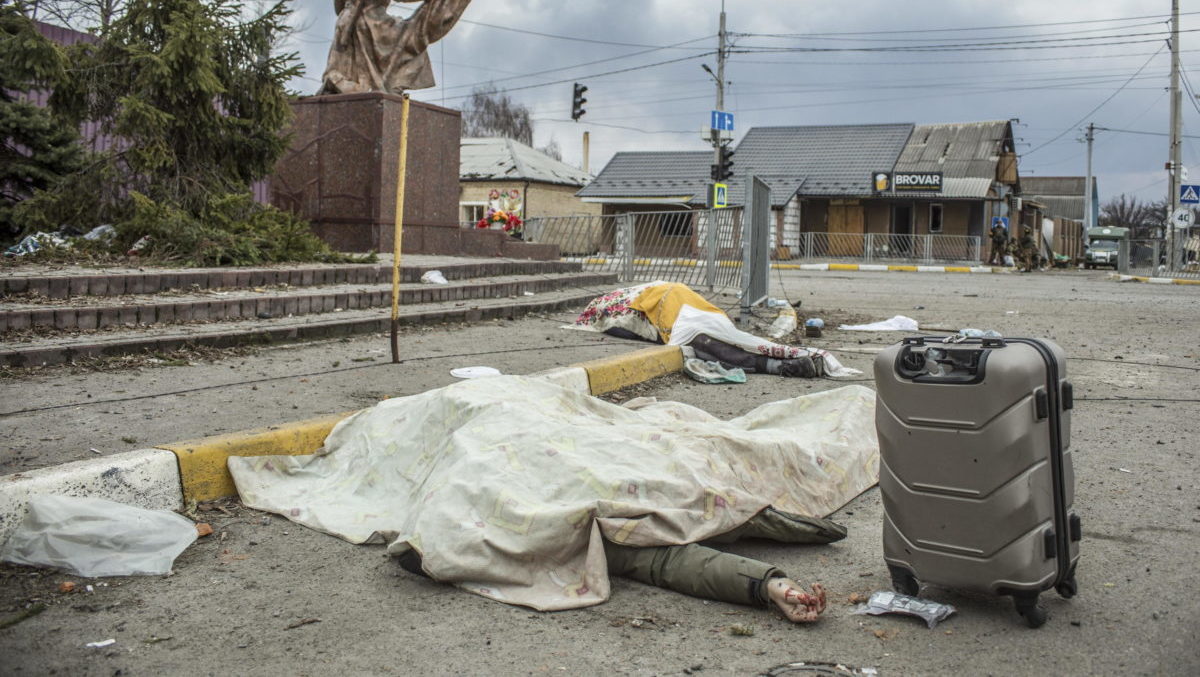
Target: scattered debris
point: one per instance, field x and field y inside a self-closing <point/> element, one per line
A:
<point x="739" y="630"/>
<point x="66" y="587"/>
<point x="154" y="639"/>
<point x="712" y="372"/>
<point x="897" y="323"/>
<point x="858" y="598"/>
<point x="885" y="635"/>
<point x="474" y="372"/>
<point x="302" y="622"/>
<point x="95" y="537"/>
<point x="888" y="602"/>
<point x="101" y="644"/>
<point x="434" y="277"/>
<point x="1125" y="470"/>
<point x="819" y="668"/>
<point x="203" y="529"/>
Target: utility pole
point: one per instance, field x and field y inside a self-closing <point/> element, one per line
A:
<point x="720" y="77"/>
<point x="1089" y="218"/>
<point x="1175" y="164"/>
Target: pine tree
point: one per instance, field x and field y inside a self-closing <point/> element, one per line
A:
<point x="195" y="95"/>
<point x="36" y="147"/>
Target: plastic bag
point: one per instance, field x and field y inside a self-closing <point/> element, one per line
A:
<point x="784" y="324"/>
<point x="712" y="372"/>
<point x="434" y="277"/>
<point x="887" y="602"/>
<point x="971" y="332"/>
<point x="97" y="537"/>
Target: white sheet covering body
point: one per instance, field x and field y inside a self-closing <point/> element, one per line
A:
<point x="506" y="485"/>
<point x="693" y="322"/>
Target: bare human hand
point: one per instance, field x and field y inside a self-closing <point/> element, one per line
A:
<point x="797" y="604"/>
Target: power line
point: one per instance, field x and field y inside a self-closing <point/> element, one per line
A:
<point x="586" y="63"/>
<point x="807" y="62"/>
<point x="1135" y="131"/>
<point x="1098" y="107"/>
<point x="578" y="39"/>
<point x="962" y="47"/>
<point x="981" y="28"/>
<point x="593" y="75"/>
<point x="831" y="36"/>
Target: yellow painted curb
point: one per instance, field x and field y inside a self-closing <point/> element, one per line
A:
<point x="786" y="266"/>
<point x="613" y="373"/>
<point x="202" y="463"/>
<point x="843" y="266"/>
<point x="957" y="269"/>
<point x="906" y="269"/>
<point x="1182" y="281"/>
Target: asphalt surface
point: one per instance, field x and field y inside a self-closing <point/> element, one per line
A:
<point x="238" y="601"/>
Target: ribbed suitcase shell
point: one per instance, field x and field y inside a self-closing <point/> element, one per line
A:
<point x="973" y="491"/>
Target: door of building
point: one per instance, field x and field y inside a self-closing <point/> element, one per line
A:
<point x="846" y="228"/>
<point x="902" y="228"/>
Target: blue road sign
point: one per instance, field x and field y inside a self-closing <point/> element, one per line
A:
<point x="1189" y="194"/>
<point x="720" y="195"/>
<point x="1000" y="221"/>
<point x="722" y="121"/>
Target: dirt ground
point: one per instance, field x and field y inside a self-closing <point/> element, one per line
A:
<point x="263" y="596"/>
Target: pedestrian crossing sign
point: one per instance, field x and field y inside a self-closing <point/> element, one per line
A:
<point x="1189" y="194"/>
<point x="720" y="195"/>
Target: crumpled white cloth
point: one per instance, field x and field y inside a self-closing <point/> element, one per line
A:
<point x="692" y="322"/>
<point x="897" y="323"/>
<point x="507" y="485"/>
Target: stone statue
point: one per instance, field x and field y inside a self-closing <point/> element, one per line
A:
<point x="373" y="51"/>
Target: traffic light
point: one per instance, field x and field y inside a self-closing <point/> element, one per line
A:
<point x="577" y="102"/>
<point x="724" y="169"/>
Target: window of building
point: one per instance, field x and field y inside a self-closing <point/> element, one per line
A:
<point x="471" y="212"/>
<point x="935" y="218"/>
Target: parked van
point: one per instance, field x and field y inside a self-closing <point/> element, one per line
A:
<point x="1104" y="246"/>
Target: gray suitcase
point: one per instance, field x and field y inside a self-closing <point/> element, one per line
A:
<point x="975" y="472"/>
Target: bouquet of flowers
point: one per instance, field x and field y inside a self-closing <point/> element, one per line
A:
<point x="509" y="222"/>
<point x="503" y="212"/>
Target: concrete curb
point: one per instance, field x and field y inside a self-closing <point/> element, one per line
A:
<point x="173" y="475"/>
<point x="1153" y="280"/>
<point x="881" y="268"/>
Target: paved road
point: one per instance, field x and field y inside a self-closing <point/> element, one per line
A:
<point x="230" y="604"/>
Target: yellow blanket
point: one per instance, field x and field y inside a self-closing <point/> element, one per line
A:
<point x="661" y="304"/>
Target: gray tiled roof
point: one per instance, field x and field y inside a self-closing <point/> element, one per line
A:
<point x="484" y="159"/>
<point x="830" y="160"/>
<point x="965" y="153"/>
<point x="653" y="174"/>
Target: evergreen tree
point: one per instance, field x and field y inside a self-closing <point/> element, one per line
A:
<point x="36" y="147"/>
<point x="195" y="95"/>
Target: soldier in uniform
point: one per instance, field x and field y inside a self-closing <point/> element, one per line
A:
<point x="1027" y="249"/>
<point x="999" y="245"/>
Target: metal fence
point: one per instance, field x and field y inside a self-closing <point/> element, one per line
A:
<point x="887" y="248"/>
<point x="673" y="246"/>
<point x="1150" y="258"/>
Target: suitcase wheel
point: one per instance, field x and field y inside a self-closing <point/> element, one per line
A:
<point x="904" y="582"/>
<point x="1027" y="606"/>
<point x="1067" y="588"/>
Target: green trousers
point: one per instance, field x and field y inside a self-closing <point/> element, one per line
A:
<point x="701" y="571"/>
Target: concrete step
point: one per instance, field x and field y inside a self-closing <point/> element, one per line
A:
<point x="62" y="347"/>
<point x="88" y="313"/>
<point x="70" y="282"/>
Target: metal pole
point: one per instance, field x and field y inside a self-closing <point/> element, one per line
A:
<point x="1089" y="218"/>
<point x="397" y="234"/>
<point x="586" y="139"/>
<point x="1176" y="131"/>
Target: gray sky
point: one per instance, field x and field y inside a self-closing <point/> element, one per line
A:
<point x="1047" y="63"/>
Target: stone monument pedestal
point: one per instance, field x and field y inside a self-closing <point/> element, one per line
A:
<point x="340" y="174"/>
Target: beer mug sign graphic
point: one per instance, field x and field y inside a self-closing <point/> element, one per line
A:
<point x="882" y="181"/>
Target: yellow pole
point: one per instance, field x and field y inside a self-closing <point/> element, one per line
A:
<point x="397" y="235"/>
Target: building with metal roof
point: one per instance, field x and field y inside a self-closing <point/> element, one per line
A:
<point x="1064" y="196"/>
<point x="545" y="186"/>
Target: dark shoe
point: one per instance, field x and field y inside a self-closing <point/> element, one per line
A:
<point x="410" y="561"/>
<point x="800" y="367"/>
